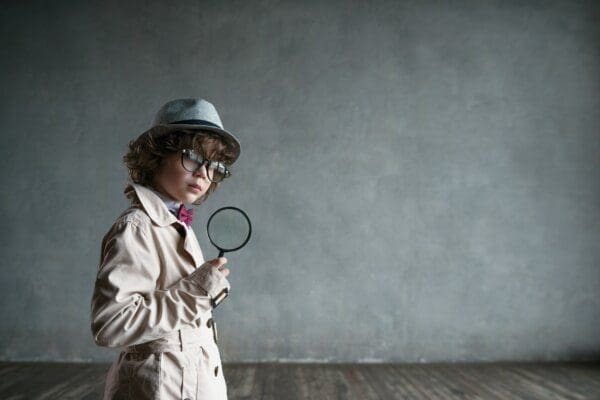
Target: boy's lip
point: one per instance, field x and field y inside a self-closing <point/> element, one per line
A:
<point x="196" y="186"/>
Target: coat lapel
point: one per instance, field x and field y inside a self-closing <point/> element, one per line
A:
<point x="159" y="213"/>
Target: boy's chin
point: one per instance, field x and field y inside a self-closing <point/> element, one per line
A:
<point x="191" y="199"/>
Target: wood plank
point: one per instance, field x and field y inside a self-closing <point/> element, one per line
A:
<point x="483" y="381"/>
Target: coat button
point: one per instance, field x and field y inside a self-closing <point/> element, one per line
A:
<point x="216" y="370"/>
<point x="209" y="323"/>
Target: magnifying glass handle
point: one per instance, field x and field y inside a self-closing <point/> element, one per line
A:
<point x="221" y="253"/>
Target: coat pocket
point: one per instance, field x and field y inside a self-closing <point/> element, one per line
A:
<point x="174" y="375"/>
<point x="142" y="371"/>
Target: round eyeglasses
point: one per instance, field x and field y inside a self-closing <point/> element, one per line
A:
<point x="192" y="162"/>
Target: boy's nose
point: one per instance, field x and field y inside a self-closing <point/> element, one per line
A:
<point x="202" y="172"/>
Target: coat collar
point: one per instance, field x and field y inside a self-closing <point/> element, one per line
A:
<point x="171" y="204"/>
<point x="154" y="205"/>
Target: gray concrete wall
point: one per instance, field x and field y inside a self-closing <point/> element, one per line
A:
<point x="423" y="177"/>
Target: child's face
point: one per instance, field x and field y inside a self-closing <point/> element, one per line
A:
<point x="178" y="183"/>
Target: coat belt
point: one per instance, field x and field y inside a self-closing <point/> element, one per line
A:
<point x="179" y="340"/>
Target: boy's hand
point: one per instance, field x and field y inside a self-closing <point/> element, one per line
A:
<point x="212" y="277"/>
<point x="219" y="264"/>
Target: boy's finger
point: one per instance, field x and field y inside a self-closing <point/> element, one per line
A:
<point x="217" y="262"/>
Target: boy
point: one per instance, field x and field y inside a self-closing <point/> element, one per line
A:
<point x="154" y="294"/>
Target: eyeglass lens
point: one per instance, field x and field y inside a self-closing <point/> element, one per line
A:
<point x="192" y="162"/>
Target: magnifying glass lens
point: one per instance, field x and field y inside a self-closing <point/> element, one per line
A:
<point x="228" y="229"/>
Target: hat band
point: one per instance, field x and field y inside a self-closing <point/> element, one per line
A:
<point x="196" y="122"/>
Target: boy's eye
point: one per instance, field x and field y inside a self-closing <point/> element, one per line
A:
<point x="190" y="160"/>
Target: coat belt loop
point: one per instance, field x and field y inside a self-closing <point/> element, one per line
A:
<point x="180" y="340"/>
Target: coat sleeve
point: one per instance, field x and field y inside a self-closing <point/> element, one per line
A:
<point x="126" y="306"/>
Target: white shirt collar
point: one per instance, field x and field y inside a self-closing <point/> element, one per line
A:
<point x="171" y="204"/>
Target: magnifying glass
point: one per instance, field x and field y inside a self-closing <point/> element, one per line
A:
<point x="229" y="229"/>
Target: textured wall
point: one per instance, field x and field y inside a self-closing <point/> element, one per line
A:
<point x="422" y="177"/>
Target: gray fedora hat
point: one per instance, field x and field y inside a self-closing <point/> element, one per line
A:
<point x="193" y="113"/>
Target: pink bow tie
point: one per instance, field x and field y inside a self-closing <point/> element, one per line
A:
<point x="185" y="215"/>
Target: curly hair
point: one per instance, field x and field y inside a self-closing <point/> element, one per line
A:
<point x="147" y="153"/>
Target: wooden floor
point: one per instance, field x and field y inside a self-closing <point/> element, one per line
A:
<point x="334" y="381"/>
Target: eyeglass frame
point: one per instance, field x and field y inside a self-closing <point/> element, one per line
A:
<point x="199" y="158"/>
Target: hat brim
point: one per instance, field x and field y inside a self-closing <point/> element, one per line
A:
<point x="231" y="141"/>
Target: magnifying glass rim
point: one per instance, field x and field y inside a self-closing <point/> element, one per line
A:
<point x="229" y="208"/>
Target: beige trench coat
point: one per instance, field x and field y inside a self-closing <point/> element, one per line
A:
<point x="153" y="298"/>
